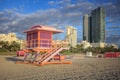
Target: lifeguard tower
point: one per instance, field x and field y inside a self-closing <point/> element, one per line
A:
<point x="39" y="38"/>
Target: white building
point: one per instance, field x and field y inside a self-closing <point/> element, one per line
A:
<point x="100" y="44"/>
<point x="85" y="44"/>
<point x="10" y="37"/>
<point x="71" y="36"/>
<point x="112" y="45"/>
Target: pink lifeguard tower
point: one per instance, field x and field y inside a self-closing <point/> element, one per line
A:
<point x="39" y="38"/>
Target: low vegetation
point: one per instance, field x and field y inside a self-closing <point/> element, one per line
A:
<point x="7" y="53"/>
<point x="10" y="49"/>
<point x="95" y="50"/>
<point x="7" y="48"/>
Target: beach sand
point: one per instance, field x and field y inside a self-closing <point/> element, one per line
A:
<point x="80" y="69"/>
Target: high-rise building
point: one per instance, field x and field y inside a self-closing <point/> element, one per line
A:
<point x="71" y="36"/>
<point x="98" y="25"/>
<point x="94" y="27"/>
<point x="86" y="27"/>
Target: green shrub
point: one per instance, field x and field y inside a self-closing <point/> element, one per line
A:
<point x="3" y="50"/>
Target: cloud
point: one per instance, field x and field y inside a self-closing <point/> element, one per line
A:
<point x="66" y="13"/>
<point x="113" y="36"/>
<point x="112" y="11"/>
<point x="114" y="27"/>
<point x="51" y="2"/>
<point x="59" y="18"/>
<point x="113" y="30"/>
<point x="113" y="39"/>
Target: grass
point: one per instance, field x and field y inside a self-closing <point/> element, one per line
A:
<point x="7" y="53"/>
<point x="68" y="52"/>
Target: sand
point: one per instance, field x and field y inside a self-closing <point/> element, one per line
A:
<point x="80" y="69"/>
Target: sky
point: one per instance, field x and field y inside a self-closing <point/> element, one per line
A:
<point x="19" y="15"/>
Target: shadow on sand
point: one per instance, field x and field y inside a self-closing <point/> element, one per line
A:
<point x="13" y="58"/>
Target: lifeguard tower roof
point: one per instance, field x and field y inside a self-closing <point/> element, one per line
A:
<point x="43" y="28"/>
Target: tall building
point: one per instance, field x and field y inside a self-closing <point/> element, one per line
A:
<point x="86" y="27"/>
<point x="94" y="27"/>
<point x="98" y="25"/>
<point x="71" y="36"/>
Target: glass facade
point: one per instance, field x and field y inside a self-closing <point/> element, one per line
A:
<point x="86" y="27"/>
<point x="96" y="26"/>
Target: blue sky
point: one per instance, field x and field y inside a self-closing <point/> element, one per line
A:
<point x="18" y="15"/>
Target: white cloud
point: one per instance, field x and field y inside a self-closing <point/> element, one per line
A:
<point x="65" y="13"/>
<point x="51" y="2"/>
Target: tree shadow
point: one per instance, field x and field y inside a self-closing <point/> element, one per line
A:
<point x="13" y="59"/>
